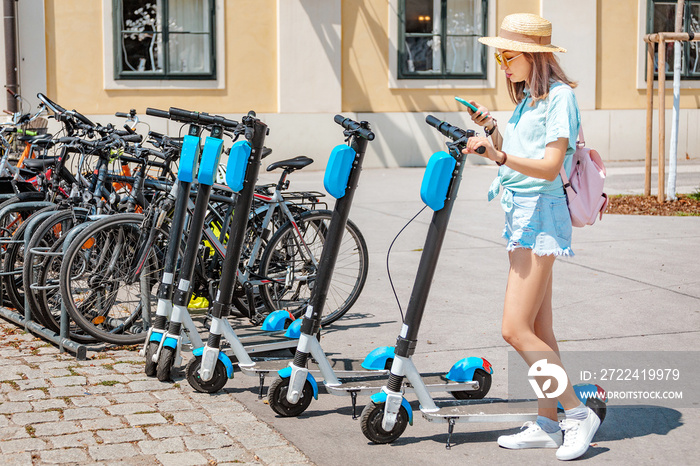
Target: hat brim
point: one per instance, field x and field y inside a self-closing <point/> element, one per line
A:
<point x="515" y="46"/>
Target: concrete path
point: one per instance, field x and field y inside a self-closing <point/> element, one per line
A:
<point x="634" y="286"/>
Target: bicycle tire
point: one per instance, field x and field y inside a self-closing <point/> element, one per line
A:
<point x="50" y="300"/>
<point x="13" y="262"/>
<point x="96" y="286"/>
<point x="283" y="257"/>
<point x="50" y="232"/>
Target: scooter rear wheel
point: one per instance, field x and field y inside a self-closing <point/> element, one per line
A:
<point x="484" y="379"/>
<point x="151" y="367"/>
<point x="598" y="406"/>
<point x="217" y="382"/>
<point x="371" y="423"/>
<point x="277" y="398"/>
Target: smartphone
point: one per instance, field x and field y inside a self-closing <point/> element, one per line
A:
<point x="464" y="102"/>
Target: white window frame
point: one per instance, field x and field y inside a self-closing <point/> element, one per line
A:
<point x="642" y="53"/>
<point x="396" y="83"/>
<point x="133" y="84"/>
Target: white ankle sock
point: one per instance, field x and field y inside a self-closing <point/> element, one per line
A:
<point x="548" y="425"/>
<point x="579" y="413"/>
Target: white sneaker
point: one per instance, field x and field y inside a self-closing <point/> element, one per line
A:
<point x="577" y="436"/>
<point x="531" y="436"/>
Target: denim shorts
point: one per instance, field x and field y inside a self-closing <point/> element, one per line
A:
<point x="540" y="222"/>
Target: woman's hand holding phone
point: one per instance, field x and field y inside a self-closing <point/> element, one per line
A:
<point x="480" y="114"/>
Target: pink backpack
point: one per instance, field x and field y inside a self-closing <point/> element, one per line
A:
<point x="584" y="191"/>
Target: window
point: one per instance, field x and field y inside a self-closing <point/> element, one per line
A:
<point x="438" y="39"/>
<point x="662" y="18"/>
<point x="164" y="39"/>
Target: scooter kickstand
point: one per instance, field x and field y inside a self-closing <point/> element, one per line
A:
<point x="353" y="396"/>
<point x="262" y="385"/>
<point x="450" y="429"/>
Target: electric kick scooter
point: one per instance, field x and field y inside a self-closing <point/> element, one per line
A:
<point x="385" y="418"/>
<point x="210" y="368"/>
<point x="291" y="393"/>
<point x="168" y="352"/>
<point x="207" y="371"/>
<point x="189" y="159"/>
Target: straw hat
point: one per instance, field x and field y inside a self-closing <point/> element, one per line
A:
<point x="524" y="32"/>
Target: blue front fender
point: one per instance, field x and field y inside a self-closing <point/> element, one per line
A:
<point x="170" y="342"/>
<point x="156" y="335"/>
<point x="287" y="373"/>
<point x="380" y="397"/>
<point x="225" y="360"/>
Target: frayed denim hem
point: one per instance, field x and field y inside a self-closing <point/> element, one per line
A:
<point x="559" y="252"/>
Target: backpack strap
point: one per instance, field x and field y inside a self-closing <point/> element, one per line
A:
<point x="580" y="142"/>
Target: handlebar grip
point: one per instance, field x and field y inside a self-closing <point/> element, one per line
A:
<point x="187" y="115"/>
<point x="67" y="140"/>
<point x="132" y="138"/>
<point x="49" y="103"/>
<point x="157" y="113"/>
<point x="121" y="115"/>
<point x="352" y="125"/>
<point x="81" y="117"/>
<point x="453" y="132"/>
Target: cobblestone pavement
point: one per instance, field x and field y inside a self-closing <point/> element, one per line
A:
<point x="57" y="410"/>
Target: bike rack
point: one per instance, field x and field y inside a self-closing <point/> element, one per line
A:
<point x="61" y="339"/>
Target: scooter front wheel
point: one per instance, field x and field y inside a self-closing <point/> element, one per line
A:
<point x="371" y="423"/>
<point x="151" y="367"/>
<point x="166" y="361"/>
<point x="218" y="379"/>
<point x="484" y="379"/>
<point x="277" y="398"/>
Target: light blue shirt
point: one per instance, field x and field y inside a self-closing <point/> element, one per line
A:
<point x="529" y="131"/>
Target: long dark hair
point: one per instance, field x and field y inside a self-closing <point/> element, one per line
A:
<point x="545" y="69"/>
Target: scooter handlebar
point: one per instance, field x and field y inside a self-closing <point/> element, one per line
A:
<point x="453" y="132"/>
<point x="354" y="126"/>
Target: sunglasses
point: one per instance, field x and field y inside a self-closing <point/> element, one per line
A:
<point x="501" y="60"/>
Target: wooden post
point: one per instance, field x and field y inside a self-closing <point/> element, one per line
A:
<point x="662" y="117"/>
<point x="650" y="117"/>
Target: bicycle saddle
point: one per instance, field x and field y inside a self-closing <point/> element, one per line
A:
<point x="41" y="139"/>
<point x="40" y="164"/>
<point x="291" y="164"/>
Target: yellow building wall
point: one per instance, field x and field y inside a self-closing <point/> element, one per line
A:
<point x="74" y="39"/>
<point x="617" y="60"/>
<point x="366" y="64"/>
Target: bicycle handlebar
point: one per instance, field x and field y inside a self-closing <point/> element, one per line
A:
<point x="453" y="132"/>
<point x="51" y="104"/>
<point x="355" y="127"/>
<point x="187" y="116"/>
<point x="157" y="113"/>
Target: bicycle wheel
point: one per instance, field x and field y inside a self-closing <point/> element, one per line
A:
<point x="99" y="286"/>
<point x="291" y="259"/>
<point x="49" y="296"/>
<point x="42" y="269"/>
<point x="13" y="262"/>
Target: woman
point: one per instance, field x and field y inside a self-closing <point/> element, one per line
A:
<point x="539" y="137"/>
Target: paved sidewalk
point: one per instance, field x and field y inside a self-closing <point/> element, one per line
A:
<point x="57" y="410"/>
<point x="643" y="270"/>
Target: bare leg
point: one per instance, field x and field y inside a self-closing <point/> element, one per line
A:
<point x="527" y="318"/>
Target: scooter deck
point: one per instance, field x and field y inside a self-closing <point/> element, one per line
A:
<point x="371" y="382"/>
<point x="268" y="342"/>
<point x="344" y="368"/>
<point x="486" y="410"/>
